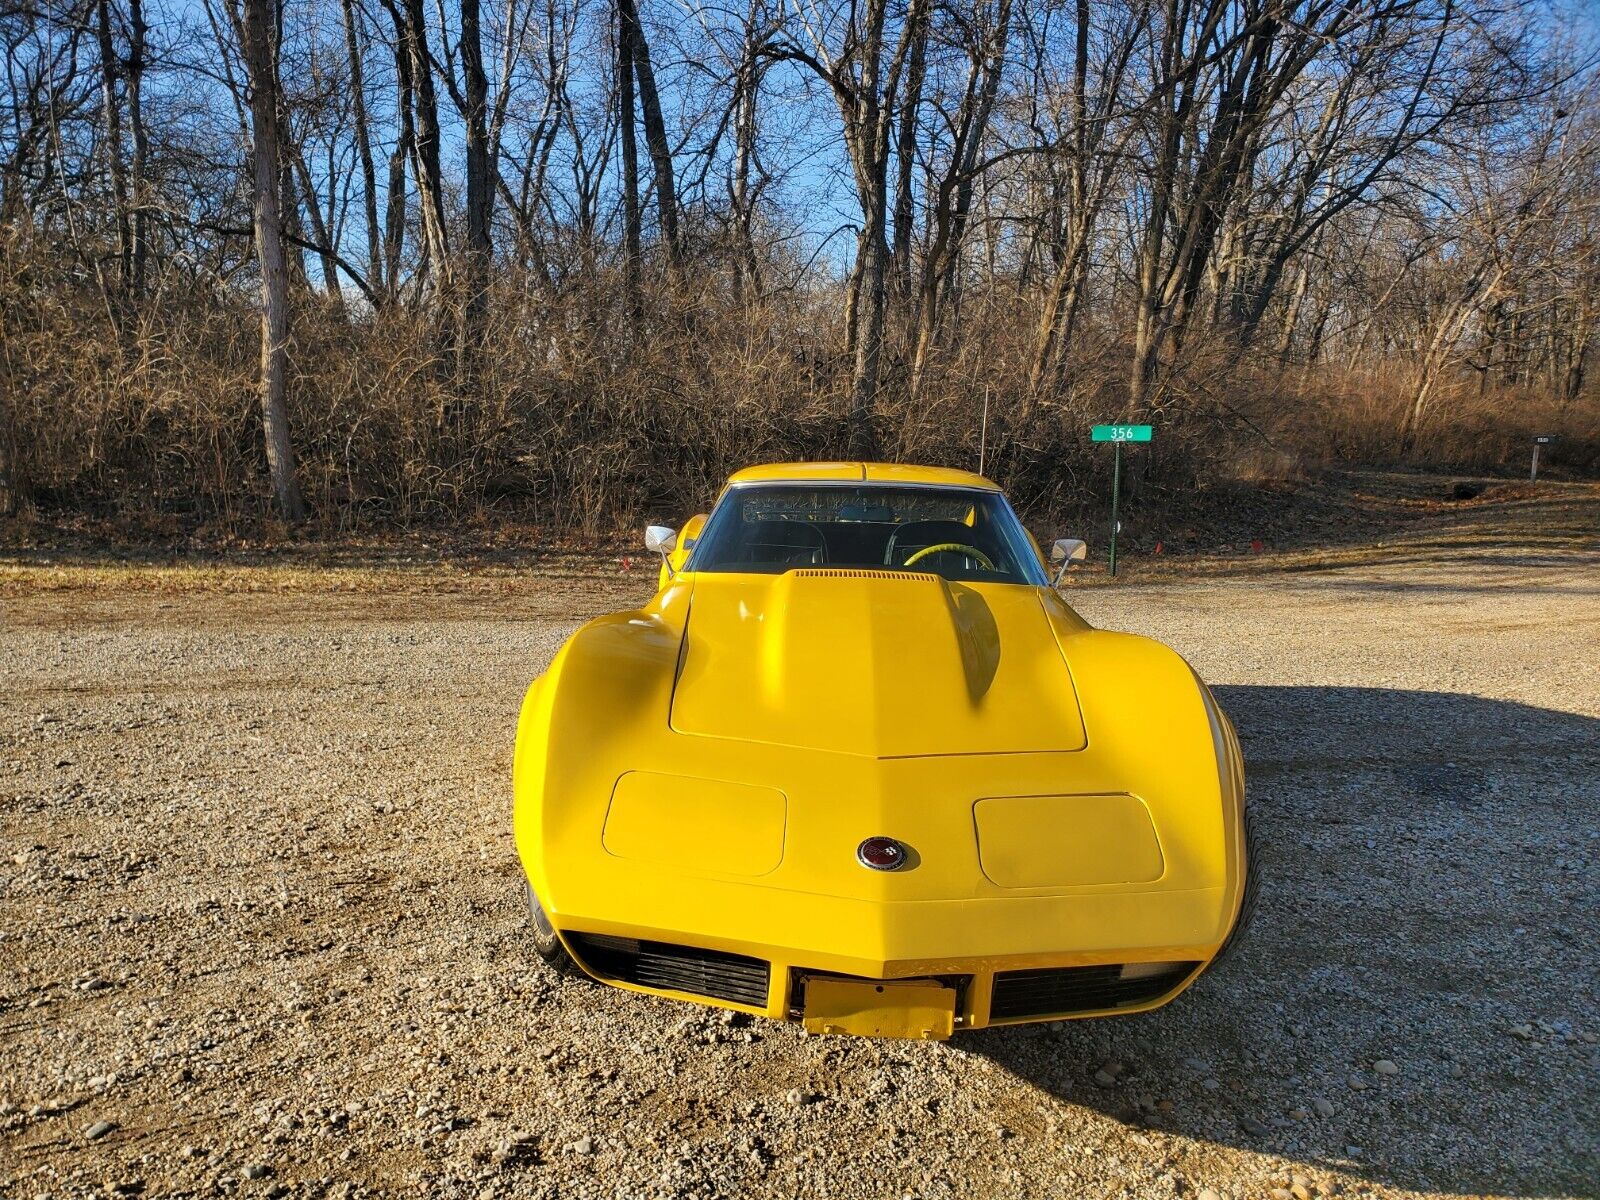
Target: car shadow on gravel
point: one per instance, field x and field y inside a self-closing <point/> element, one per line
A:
<point x="1415" y="1005"/>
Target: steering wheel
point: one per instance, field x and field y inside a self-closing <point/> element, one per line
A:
<point x="942" y="547"/>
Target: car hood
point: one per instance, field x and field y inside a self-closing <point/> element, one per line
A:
<point x="880" y="663"/>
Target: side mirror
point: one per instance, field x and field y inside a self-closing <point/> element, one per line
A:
<point x="660" y="539"/>
<point x="1067" y="551"/>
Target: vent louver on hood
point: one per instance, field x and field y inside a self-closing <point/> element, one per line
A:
<point x="862" y="573"/>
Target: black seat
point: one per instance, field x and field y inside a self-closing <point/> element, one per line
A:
<point x="784" y="543"/>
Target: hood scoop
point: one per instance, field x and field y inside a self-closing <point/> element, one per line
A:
<point x="885" y="664"/>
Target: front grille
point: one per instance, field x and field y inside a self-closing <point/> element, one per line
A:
<point x="1061" y="990"/>
<point x="731" y="977"/>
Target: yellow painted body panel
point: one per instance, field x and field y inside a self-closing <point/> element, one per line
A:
<point x="879" y="704"/>
<point x="1061" y="841"/>
<point x="885" y="663"/>
<point x="861" y="472"/>
<point x="661" y="820"/>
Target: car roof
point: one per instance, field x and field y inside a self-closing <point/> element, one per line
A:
<point x="861" y="472"/>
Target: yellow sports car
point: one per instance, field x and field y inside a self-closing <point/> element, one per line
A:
<point x="857" y="764"/>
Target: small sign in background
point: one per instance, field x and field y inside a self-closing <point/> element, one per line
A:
<point x="1119" y="433"/>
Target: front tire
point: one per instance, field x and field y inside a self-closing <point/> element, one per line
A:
<point x="1252" y="879"/>
<point x="543" y="936"/>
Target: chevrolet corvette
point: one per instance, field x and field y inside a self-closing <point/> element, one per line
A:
<point x="858" y="764"/>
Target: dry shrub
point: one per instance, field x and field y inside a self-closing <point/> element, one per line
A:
<point x="1353" y="414"/>
<point x="568" y="416"/>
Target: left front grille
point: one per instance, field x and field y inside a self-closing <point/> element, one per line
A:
<point x="732" y="977"/>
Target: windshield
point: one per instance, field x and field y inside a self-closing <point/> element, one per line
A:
<point x="959" y="533"/>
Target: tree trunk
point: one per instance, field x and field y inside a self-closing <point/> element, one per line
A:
<point x="746" y="264"/>
<point x="260" y="62"/>
<point x="363" y="135"/>
<point x="10" y="484"/>
<point x="110" y="73"/>
<point x="394" y="235"/>
<point x="1057" y="321"/>
<point x="1146" y="348"/>
<point x="906" y="156"/>
<point x="952" y="199"/>
<point x="319" y="233"/>
<point x="1291" y="312"/>
<point x="294" y="252"/>
<point x="1060" y="312"/>
<point x="870" y="303"/>
<point x="632" y="242"/>
<point x="138" y="32"/>
<point x="429" y="175"/>
<point x="655" y="129"/>
<point x="480" y="188"/>
<point x="1437" y="354"/>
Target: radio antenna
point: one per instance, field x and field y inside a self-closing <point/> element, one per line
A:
<point x="983" y="435"/>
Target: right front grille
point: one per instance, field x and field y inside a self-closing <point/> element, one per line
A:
<point x="1062" y="990"/>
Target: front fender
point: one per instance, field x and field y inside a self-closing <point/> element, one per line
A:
<point x="1147" y="713"/>
<point x="612" y="674"/>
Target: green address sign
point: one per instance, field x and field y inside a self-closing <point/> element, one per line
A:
<point x="1120" y="433"/>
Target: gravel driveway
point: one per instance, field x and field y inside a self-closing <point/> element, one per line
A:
<point x="260" y="931"/>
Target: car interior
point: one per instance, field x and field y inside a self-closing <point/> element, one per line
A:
<point x="766" y="535"/>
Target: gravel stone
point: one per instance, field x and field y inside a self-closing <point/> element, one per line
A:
<point x="325" y="916"/>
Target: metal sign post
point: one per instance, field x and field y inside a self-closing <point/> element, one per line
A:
<point x="1116" y="435"/>
<point x="1540" y="440"/>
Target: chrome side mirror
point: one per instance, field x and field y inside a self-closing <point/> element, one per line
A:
<point x="1067" y="551"/>
<point x="660" y="539"/>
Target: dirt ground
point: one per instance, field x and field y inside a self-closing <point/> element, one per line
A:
<point x="260" y="931"/>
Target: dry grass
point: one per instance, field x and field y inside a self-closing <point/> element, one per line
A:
<point x="568" y="422"/>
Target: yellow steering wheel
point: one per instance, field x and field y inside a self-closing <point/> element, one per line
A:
<point x="969" y="551"/>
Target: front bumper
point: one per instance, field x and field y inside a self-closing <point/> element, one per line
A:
<point x="986" y="990"/>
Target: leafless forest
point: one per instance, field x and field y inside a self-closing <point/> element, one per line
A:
<point x="360" y="262"/>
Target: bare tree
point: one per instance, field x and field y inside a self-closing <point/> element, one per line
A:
<point x="632" y="240"/>
<point x="110" y="77"/>
<point x="1221" y="68"/>
<point x="984" y="35"/>
<point x="862" y="63"/>
<point x="260" y="59"/>
<point x="1493" y="221"/>
<point x="481" y="173"/>
<point x="655" y="129"/>
<point x="362" y="129"/>
<point x="1344" y="225"/>
<point x="1089" y="152"/>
